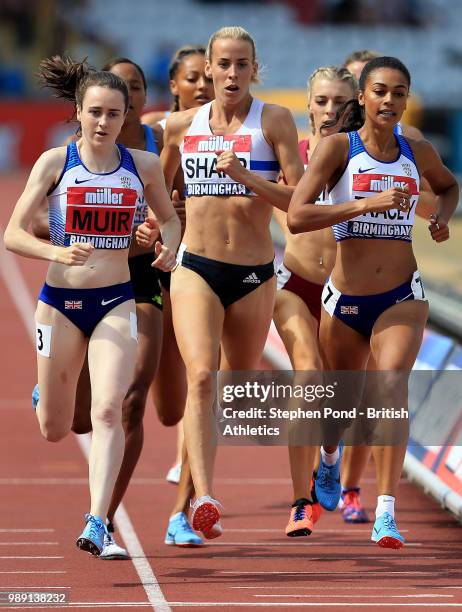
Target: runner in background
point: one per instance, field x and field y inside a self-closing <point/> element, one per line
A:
<point x="191" y="88"/>
<point x="308" y="261"/>
<point x="374" y="302"/>
<point x="87" y="301"/>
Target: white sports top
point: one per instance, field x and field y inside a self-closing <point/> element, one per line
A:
<point x="366" y="176"/>
<point x="98" y="208"/>
<point x="199" y="158"/>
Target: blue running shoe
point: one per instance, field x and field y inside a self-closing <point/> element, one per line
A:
<point x="385" y="532"/>
<point x="180" y="532"/>
<point x="92" y="537"/>
<point x="327" y="482"/>
<point x="35" y="397"/>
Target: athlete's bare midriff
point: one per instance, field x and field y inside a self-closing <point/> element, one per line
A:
<point x="229" y="229"/>
<point x="311" y="255"/>
<point x="103" y="268"/>
<point x="365" y="267"/>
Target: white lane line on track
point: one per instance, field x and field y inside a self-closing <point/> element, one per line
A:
<point x="13" y="277"/>
<point x="29" y="588"/>
<point x="350" y="531"/>
<point x="407" y="596"/>
<point x="29" y="543"/>
<point x="21" y="297"/>
<point x="30" y="557"/>
<point x="26" y="530"/>
<point x="34" y="572"/>
<point x="311" y="572"/>
<point x="294" y="544"/>
<point x="349" y="558"/>
<point x="253" y="604"/>
<point x="344" y="588"/>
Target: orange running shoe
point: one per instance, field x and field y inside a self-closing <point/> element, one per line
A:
<point x="316" y="508"/>
<point x="205" y="515"/>
<point x="301" y="519"/>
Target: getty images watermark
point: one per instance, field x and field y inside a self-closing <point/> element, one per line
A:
<point x="299" y="408"/>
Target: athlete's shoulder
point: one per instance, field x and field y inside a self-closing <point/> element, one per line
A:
<point x="332" y="150"/>
<point x="276" y="112"/>
<point x="143" y="158"/>
<point x="332" y="141"/>
<point x="178" y="124"/>
<point x="53" y="158"/>
<point x="410" y="131"/>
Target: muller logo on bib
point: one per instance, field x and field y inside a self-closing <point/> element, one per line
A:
<point x="200" y="154"/>
<point x="376" y="183"/>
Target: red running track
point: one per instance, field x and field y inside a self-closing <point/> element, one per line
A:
<point x="44" y="496"/>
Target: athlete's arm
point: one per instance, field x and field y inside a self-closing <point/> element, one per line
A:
<point x="152" y="118"/>
<point x="43" y="176"/>
<point x="426" y="204"/>
<point x="159" y="202"/>
<point x="175" y="129"/>
<point x="327" y="162"/>
<point x="279" y="129"/>
<point x="443" y="185"/>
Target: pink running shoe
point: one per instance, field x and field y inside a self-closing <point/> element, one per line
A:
<point x="351" y="508"/>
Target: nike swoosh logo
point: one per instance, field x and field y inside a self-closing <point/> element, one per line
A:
<point x="77" y="182"/>
<point x="366" y="170"/>
<point x="106" y="302"/>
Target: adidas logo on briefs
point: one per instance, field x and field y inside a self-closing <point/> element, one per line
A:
<point x="252" y="278"/>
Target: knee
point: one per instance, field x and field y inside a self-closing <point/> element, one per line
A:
<point x="169" y="419"/>
<point x="200" y="384"/>
<point x="310" y="362"/>
<point x="53" y="432"/>
<point x="106" y="414"/>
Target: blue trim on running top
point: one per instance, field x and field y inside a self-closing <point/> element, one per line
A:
<point x="264" y="165"/>
<point x="150" y="139"/>
<point x="406" y="149"/>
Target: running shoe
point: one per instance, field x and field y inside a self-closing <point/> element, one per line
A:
<point x="316" y="509"/>
<point x="174" y="473"/>
<point x="351" y="508"/>
<point x="215" y="531"/>
<point x="35" y="397"/>
<point x="111" y="550"/>
<point x="301" y="519"/>
<point x="180" y="533"/>
<point x="327" y="482"/>
<point x="205" y="514"/>
<point x="92" y="537"/>
<point x="385" y="532"/>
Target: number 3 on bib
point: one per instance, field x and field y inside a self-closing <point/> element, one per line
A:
<point x="43" y="339"/>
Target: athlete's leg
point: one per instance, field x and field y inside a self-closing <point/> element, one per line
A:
<point x="299" y="332"/>
<point x="342" y="348"/>
<point x="82" y="414"/>
<point x="395" y="343"/>
<point x="111" y="359"/>
<point x="149" y="320"/>
<point x="58" y="372"/>
<point x="169" y="399"/>
<point x="198" y="319"/>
